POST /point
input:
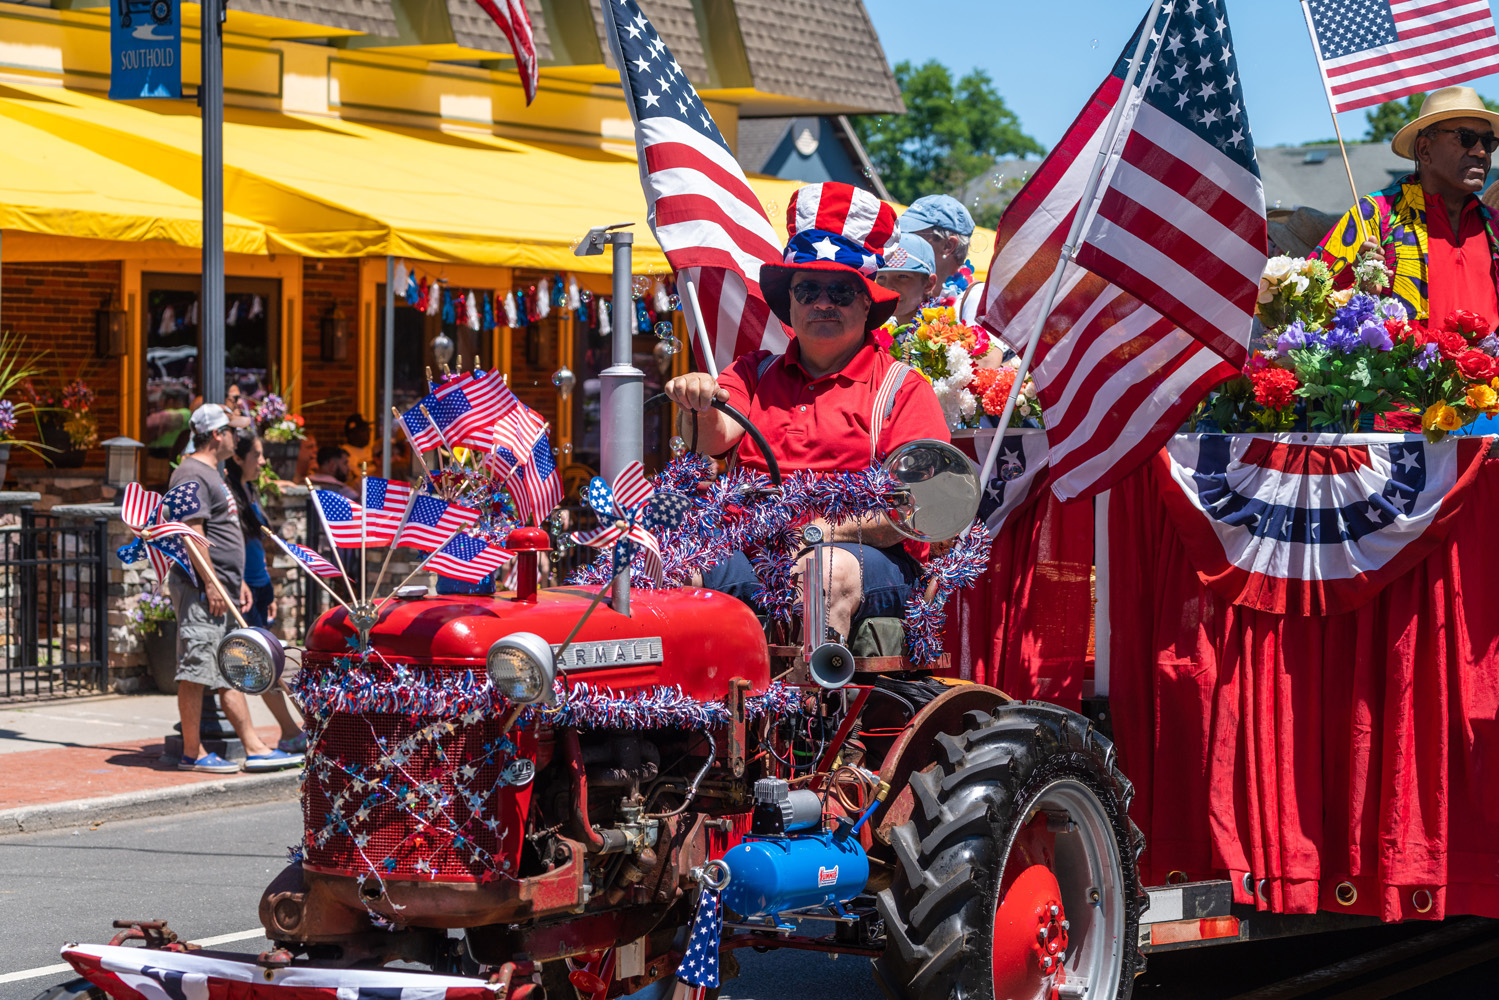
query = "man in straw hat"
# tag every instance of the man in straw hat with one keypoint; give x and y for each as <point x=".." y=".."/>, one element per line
<point x="1434" y="233"/>
<point x="834" y="402"/>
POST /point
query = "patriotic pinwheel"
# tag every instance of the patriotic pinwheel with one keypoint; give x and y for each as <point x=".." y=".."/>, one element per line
<point x="628" y="512"/>
<point x="161" y="535"/>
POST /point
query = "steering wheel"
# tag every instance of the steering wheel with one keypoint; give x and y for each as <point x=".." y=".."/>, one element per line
<point x="774" y="467"/>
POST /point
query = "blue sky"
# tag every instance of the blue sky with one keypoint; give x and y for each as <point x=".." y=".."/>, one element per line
<point x="1046" y="58"/>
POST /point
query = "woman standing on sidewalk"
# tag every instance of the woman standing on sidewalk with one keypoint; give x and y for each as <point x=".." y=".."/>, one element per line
<point x="242" y="471"/>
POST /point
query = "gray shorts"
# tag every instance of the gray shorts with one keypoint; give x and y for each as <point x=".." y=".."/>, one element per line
<point x="198" y="635"/>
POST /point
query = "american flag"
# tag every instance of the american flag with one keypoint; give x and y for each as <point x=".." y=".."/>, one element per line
<point x="700" y="962"/>
<point x="340" y="516"/>
<point x="384" y="503"/>
<point x="515" y="22"/>
<point x="539" y="490"/>
<point x="515" y="434"/>
<point x="1372" y="51"/>
<point x="1161" y="311"/>
<point x="432" y="521"/>
<point x="704" y="214"/>
<point x="308" y="558"/>
<point x="465" y="410"/>
<point x="465" y="557"/>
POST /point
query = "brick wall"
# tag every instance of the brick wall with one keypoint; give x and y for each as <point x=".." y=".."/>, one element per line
<point x="52" y="306"/>
<point x="336" y="384"/>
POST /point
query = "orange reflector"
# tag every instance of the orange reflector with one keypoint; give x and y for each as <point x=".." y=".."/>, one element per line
<point x="1180" y="931"/>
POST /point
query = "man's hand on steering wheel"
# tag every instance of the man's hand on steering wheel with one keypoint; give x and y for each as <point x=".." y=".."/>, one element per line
<point x="695" y="391"/>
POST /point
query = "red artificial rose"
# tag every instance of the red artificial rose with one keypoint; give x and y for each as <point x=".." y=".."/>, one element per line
<point x="1449" y="342"/>
<point x="1399" y="330"/>
<point x="1476" y="366"/>
<point x="1469" y="325"/>
<point x="1274" y="387"/>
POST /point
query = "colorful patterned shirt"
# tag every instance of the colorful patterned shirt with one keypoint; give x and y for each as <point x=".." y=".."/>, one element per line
<point x="1398" y="215"/>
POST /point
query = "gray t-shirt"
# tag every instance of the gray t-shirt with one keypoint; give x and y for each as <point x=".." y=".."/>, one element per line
<point x="226" y="540"/>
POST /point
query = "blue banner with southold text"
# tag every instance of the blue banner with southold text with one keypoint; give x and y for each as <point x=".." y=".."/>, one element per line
<point x="145" y="41"/>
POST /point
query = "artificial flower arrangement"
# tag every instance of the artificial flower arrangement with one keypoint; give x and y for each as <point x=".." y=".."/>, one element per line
<point x="74" y="400"/>
<point x="275" y="424"/>
<point x="1338" y="358"/>
<point x="946" y="353"/>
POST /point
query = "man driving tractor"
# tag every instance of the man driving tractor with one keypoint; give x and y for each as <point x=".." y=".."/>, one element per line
<point x="834" y="402"/>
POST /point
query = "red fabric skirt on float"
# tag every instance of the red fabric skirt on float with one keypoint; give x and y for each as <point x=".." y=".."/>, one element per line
<point x="1323" y="757"/>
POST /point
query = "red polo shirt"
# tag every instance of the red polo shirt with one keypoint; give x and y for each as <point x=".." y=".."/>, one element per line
<point x="1459" y="266"/>
<point x="823" y="424"/>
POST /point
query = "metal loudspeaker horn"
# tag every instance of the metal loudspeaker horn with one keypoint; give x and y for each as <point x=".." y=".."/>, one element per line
<point x="831" y="665"/>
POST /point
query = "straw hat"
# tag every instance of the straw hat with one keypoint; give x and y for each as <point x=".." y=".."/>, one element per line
<point x="1441" y="105"/>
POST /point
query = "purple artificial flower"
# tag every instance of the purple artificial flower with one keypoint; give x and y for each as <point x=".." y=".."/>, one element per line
<point x="1395" y="310"/>
<point x="1427" y="355"/>
<point x="7" y="416"/>
<point x="1374" y="334"/>
<point x="1343" y="339"/>
<point x="1295" y="336"/>
<point x="1359" y="310"/>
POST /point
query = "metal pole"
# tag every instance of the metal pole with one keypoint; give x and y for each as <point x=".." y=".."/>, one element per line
<point x="211" y="101"/>
<point x="390" y="364"/>
<point x="623" y="387"/>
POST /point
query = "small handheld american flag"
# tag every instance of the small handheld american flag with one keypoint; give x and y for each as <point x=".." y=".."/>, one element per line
<point x="313" y="562"/>
<point x="700" y="962"/>
<point x="1372" y="51"/>
<point x="463" y="412"/>
<point x="432" y="521"/>
<point x="465" y="557"/>
<point x="385" y="503"/>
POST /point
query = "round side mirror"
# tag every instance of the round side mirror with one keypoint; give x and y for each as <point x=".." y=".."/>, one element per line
<point x="941" y="489"/>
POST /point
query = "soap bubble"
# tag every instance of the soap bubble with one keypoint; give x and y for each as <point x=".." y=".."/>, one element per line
<point x="669" y="345"/>
<point x="664" y="329"/>
<point x="678" y="445"/>
<point x="640" y="286"/>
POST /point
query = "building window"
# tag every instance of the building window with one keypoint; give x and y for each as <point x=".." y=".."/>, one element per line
<point x="173" y="346"/>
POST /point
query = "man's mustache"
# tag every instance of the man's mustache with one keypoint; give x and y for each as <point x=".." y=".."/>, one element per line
<point x="823" y="314"/>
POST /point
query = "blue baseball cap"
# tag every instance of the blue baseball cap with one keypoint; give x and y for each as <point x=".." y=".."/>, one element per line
<point x="912" y="254"/>
<point x="940" y="210"/>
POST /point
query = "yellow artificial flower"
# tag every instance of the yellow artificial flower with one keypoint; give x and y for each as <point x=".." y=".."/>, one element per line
<point x="1340" y="298"/>
<point x="1483" y="397"/>
<point x="1442" y="417"/>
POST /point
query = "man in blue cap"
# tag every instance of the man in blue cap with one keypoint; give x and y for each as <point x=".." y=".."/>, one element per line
<point x="947" y="226"/>
<point x="910" y="271"/>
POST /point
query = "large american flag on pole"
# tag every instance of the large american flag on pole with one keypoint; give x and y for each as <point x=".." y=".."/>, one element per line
<point x="1156" y="308"/>
<point x="708" y="221"/>
<point x="1372" y="51"/>
<point x="512" y="18"/>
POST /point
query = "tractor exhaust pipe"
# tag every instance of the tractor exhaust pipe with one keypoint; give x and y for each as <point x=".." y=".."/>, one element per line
<point x="622" y="416"/>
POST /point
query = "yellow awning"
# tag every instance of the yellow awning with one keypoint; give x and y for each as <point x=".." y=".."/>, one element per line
<point x="51" y="187"/>
<point x="325" y="187"/>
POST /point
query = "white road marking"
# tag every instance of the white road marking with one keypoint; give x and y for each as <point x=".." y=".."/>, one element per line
<point x="52" y="970"/>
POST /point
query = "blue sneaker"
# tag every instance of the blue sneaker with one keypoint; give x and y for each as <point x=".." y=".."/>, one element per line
<point x="273" y="761"/>
<point x="211" y="763"/>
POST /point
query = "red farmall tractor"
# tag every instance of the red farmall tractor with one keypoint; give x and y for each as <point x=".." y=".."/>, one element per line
<point x="560" y="791"/>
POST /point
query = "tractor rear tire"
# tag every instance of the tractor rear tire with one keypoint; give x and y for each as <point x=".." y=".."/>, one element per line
<point x="1037" y="776"/>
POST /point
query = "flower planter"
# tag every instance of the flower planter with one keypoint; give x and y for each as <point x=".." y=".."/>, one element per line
<point x="62" y="454"/>
<point x="282" y="458"/>
<point x="161" y="656"/>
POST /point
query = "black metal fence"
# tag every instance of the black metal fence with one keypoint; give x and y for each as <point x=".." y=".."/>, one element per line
<point x="54" y="585"/>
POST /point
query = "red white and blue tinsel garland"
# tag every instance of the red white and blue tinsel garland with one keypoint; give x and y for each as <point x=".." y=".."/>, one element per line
<point x="955" y="569"/>
<point x="466" y="693"/>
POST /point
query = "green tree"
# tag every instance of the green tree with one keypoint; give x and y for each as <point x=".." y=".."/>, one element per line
<point x="951" y="132"/>
<point x="1391" y="116"/>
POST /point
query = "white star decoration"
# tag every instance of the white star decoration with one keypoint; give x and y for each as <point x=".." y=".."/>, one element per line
<point x="825" y="249"/>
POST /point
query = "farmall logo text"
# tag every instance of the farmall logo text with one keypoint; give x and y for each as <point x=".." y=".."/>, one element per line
<point x="827" y="876"/>
<point x="611" y="653"/>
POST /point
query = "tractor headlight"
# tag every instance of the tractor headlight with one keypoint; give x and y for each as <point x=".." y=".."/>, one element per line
<point x="251" y="660"/>
<point x="522" y="667"/>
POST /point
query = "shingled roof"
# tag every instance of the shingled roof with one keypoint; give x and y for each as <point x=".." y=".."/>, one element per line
<point x="823" y="50"/>
<point x="676" y="23"/>
<point x="373" y="17"/>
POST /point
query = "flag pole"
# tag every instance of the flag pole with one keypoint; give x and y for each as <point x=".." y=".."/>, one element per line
<point x="419" y="567"/>
<point x="364" y="526"/>
<point x="416" y="452"/>
<point x="702" y="329"/>
<point x="1358" y="211"/>
<point x="1079" y="220"/>
<point x="380" y="577"/>
<point x="440" y="436"/>
<point x="332" y="542"/>
<point x="316" y="579"/>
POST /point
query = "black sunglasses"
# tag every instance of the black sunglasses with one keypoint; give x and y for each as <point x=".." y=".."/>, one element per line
<point x="840" y="293"/>
<point x="1467" y="138"/>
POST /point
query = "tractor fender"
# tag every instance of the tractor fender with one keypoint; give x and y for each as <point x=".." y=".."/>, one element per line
<point x="916" y="748"/>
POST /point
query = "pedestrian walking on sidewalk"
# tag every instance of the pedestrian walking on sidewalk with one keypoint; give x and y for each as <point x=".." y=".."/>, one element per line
<point x="242" y="472"/>
<point x="202" y="611"/>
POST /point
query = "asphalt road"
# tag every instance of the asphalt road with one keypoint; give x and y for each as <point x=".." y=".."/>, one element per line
<point x="204" y="872"/>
